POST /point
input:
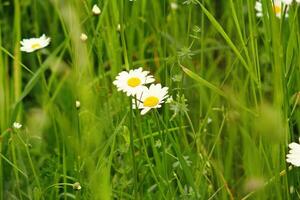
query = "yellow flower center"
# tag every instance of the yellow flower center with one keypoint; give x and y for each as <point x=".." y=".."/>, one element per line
<point x="151" y="101"/>
<point x="36" y="46"/>
<point x="133" y="82"/>
<point x="277" y="9"/>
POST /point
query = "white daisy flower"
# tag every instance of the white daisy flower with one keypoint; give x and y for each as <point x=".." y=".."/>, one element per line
<point x="258" y="8"/>
<point x="170" y="100"/>
<point x="174" y="6"/>
<point x="96" y="10"/>
<point x="288" y="2"/>
<point x="278" y="7"/>
<point x="152" y="97"/>
<point x="119" y="27"/>
<point x="77" y="104"/>
<point x="131" y="82"/>
<point x="33" y="44"/>
<point x="293" y="156"/>
<point x="83" y="37"/>
<point x="17" y="125"/>
<point x="76" y="186"/>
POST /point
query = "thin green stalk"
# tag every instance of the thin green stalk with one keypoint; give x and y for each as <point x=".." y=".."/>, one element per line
<point x="17" y="33"/>
<point x="134" y="168"/>
<point x="64" y="165"/>
<point x="55" y="185"/>
<point x="152" y="170"/>
<point x="123" y="40"/>
<point x="1" y="173"/>
<point x="14" y="158"/>
<point x="163" y="141"/>
<point x="36" y="178"/>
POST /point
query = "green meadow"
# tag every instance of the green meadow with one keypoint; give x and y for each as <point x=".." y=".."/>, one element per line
<point x="66" y="132"/>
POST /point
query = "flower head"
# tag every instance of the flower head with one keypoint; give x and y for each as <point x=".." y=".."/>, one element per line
<point x="96" y="10"/>
<point x="17" y="125"/>
<point x="278" y="7"/>
<point x="119" y="27"/>
<point x="33" y="44"/>
<point x="76" y="186"/>
<point x="288" y="2"/>
<point x="293" y="156"/>
<point x="83" y="37"/>
<point x="174" y="6"/>
<point x="152" y="97"/>
<point x="131" y="82"/>
<point x="77" y="104"/>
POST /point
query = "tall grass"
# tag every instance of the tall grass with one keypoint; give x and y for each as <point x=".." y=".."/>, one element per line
<point x="234" y="79"/>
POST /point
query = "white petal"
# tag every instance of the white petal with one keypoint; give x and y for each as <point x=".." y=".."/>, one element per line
<point x="258" y="6"/>
<point x="294" y="145"/>
<point x="145" y="110"/>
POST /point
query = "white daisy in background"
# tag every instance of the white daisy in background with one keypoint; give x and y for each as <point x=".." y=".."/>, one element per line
<point x="174" y="5"/>
<point x="288" y="2"/>
<point x="77" y="104"/>
<point x="258" y="8"/>
<point x="170" y="100"/>
<point x="131" y="82"/>
<point x="278" y="7"/>
<point x="152" y="97"/>
<point x="119" y="27"/>
<point x="83" y="37"/>
<point x="96" y="10"/>
<point x="33" y="44"/>
<point x="293" y="156"/>
<point x="77" y="186"/>
<point x="17" y="125"/>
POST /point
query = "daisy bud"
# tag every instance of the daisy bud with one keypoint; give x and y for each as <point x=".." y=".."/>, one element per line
<point x="174" y="6"/>
<point x="170" y="100"/>
<point x="77" y="186"/>
<point x="17" y="125"/>
<point x="83" y="37"/>
<point x="119" y="27"/>
<point x="96" y="10"/>
<point x="77" y="104"/>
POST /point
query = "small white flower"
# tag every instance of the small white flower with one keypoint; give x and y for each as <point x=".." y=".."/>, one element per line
<point x="278" y="7"/>
<point x="288" y="2"/>
<point x="258" y="8"/>
<point x="83" y="37"/>
<point x="33" y="44"/>
<point x="170" y="100"/>
<point x="77" y="104"/>
<point x="17" y="125"/>
<point x="293" y="156"/>
<point x="96" y="10"/>
<point x="131" y="82"/>
<point x="292" y="189"/>
<point x="209" y="120"/>
<point x="77" y="186"/>
<point x="119" y="27"/>
<point x="157" y="143"/>
<point x="174" y="6"/>
<point x="152" y="97"/>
